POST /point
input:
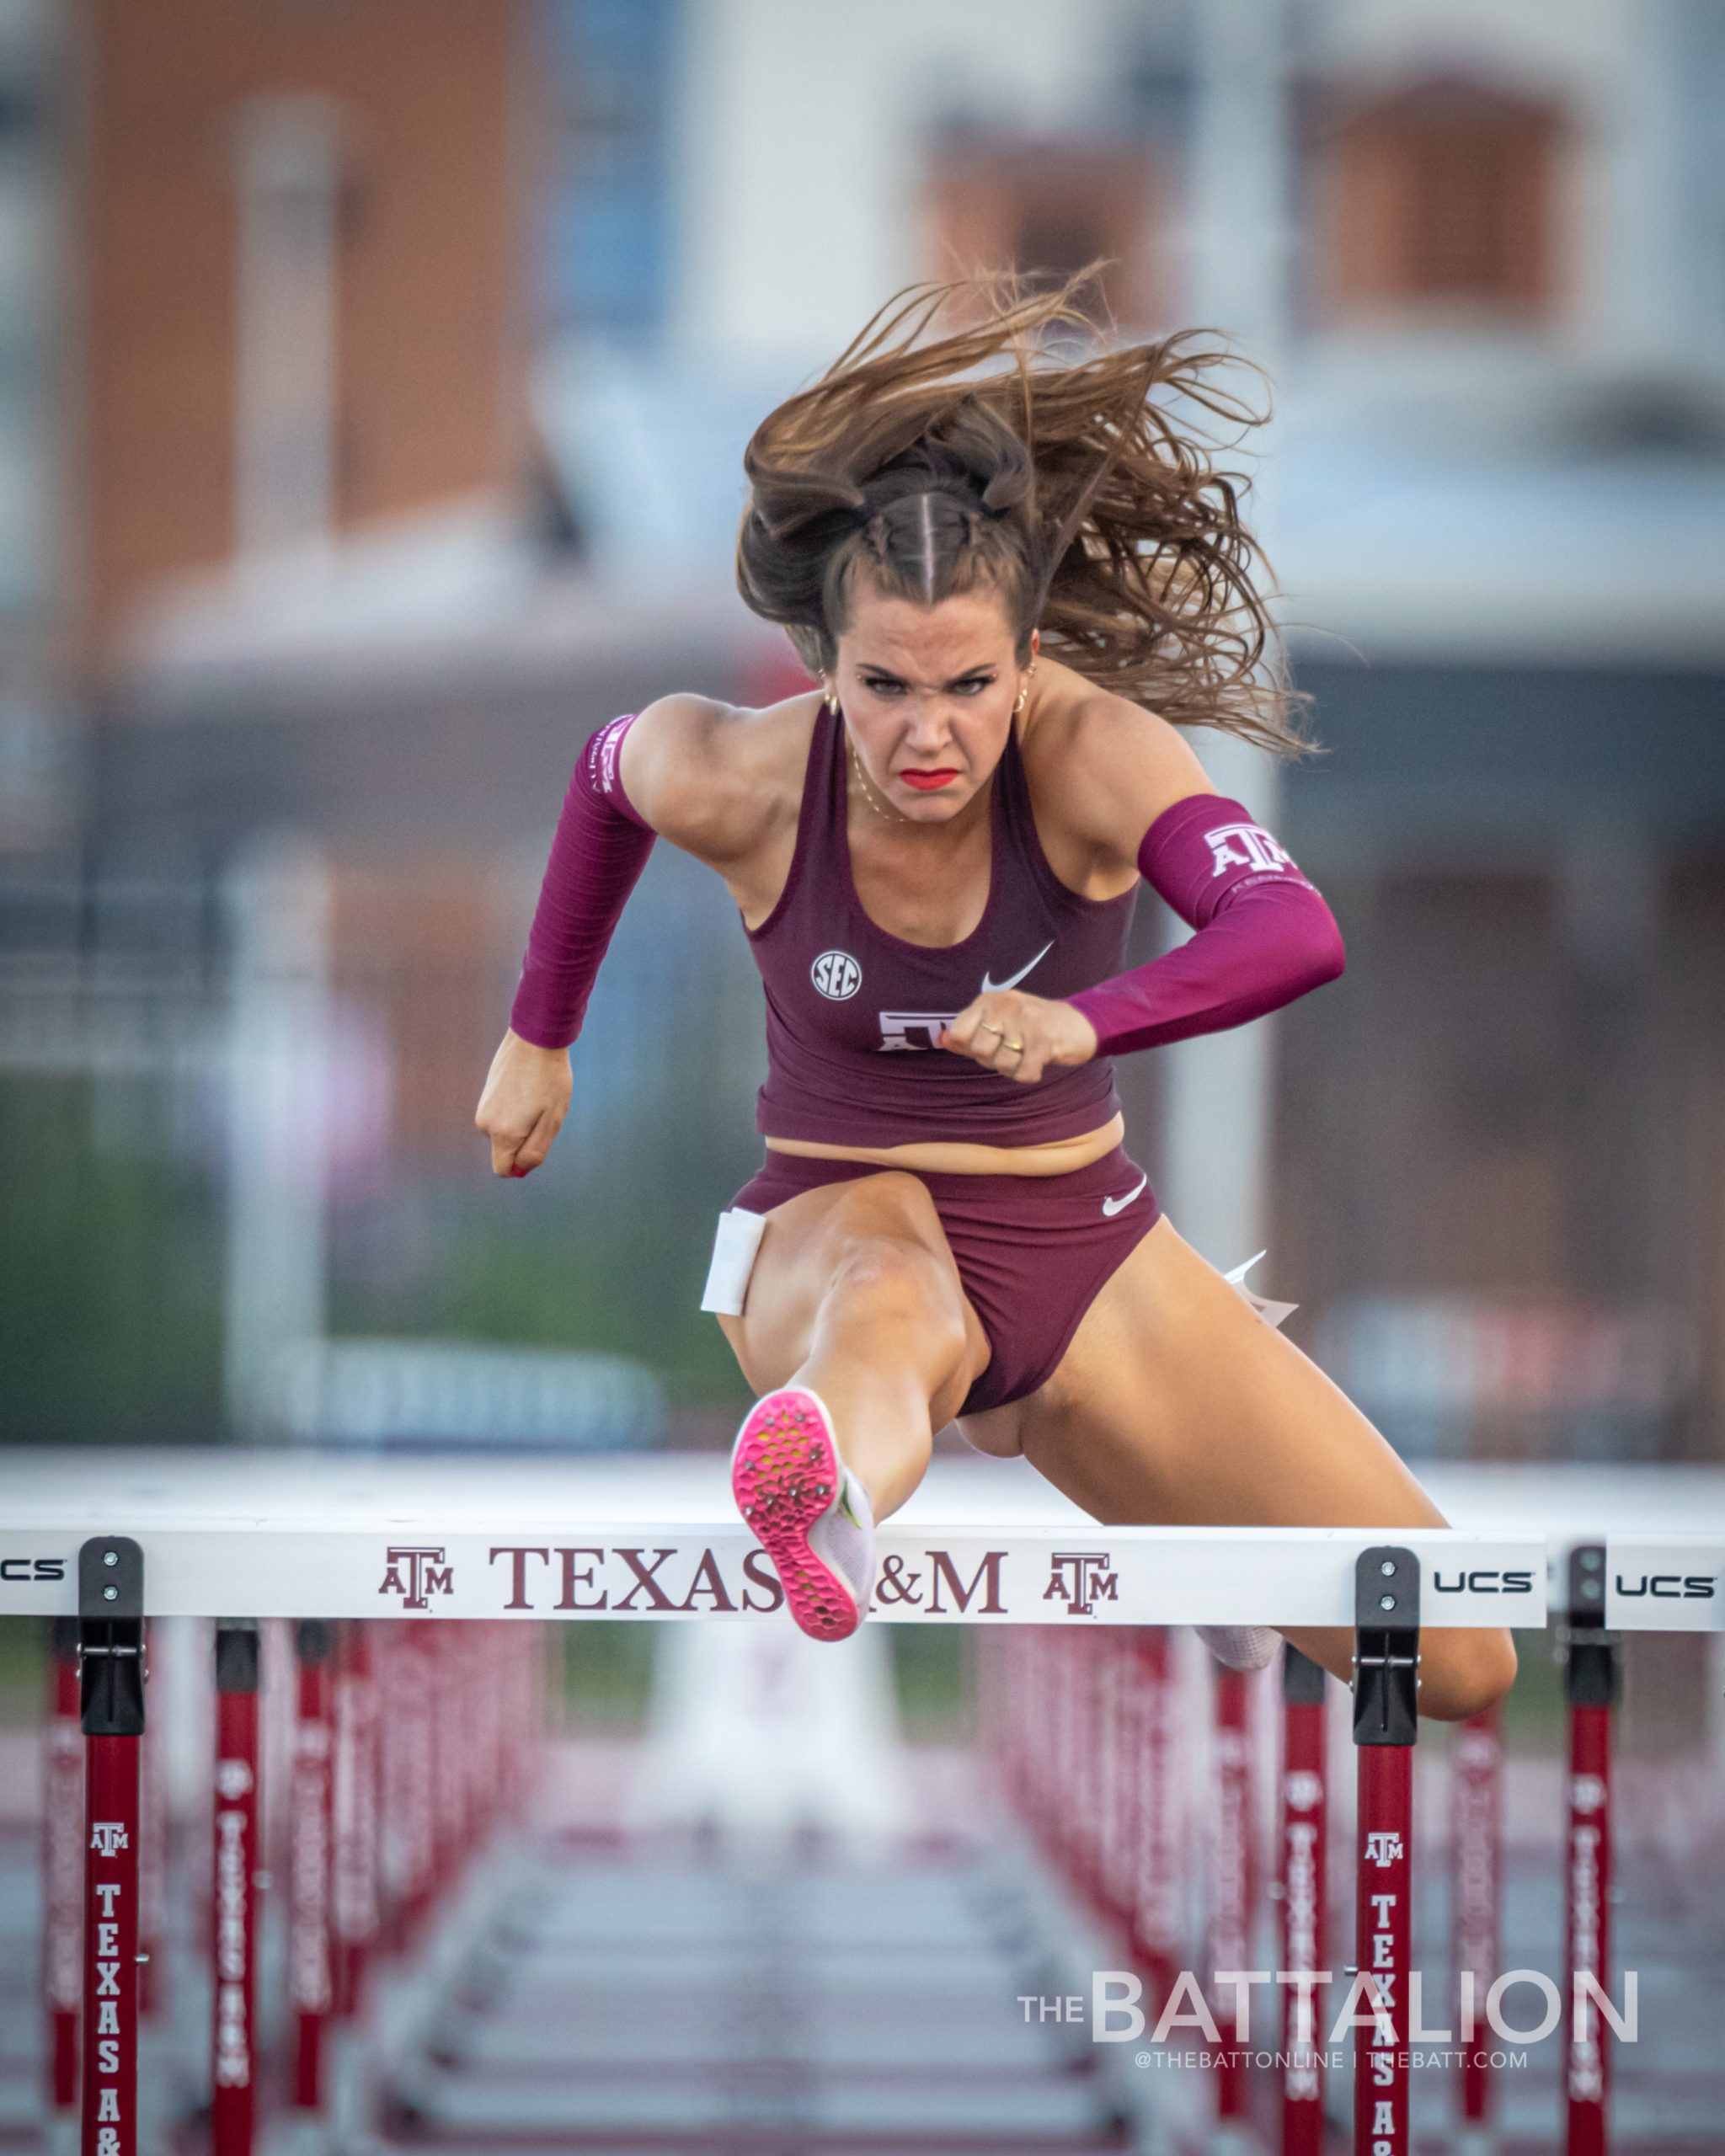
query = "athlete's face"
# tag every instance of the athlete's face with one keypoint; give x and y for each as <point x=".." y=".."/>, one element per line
<point x="928" y="694"/>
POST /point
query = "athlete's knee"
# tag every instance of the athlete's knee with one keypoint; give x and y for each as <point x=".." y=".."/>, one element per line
<point x="886" y="1242"/>
<point x="1463" y="1672"/>
<point x="894" y="1279"/>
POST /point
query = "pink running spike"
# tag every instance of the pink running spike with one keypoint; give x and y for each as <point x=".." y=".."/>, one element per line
<point x="787" y="1476"/>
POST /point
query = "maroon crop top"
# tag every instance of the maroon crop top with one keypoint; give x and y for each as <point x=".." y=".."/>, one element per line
<point x="843" y="995"/>
<point x="853" y="1013"/>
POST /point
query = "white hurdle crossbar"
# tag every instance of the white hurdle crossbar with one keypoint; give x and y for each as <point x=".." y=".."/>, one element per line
<point x="106" y="1541"/>
<point x="264" y="1534"/>
<point x="439" y="1568"/>
<point x="292" y="1534"/>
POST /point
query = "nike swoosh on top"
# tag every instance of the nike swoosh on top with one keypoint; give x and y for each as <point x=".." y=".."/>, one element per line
<point x="1111" y="1206"/>
<point x="991" y="987"/>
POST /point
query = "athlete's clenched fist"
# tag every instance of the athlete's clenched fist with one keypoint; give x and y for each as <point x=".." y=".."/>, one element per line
<point x="1020" y="1035"/>
<point x="523" y="1108"/>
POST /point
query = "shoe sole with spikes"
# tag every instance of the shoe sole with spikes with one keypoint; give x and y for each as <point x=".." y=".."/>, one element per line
<point x="786" y="1476"/>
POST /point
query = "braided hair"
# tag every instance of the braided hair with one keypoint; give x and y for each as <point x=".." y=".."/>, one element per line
<point x="1080" y="489"/>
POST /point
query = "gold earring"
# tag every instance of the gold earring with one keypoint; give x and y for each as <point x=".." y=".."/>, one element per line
<point x="1024" y="693"/>
<point x="831" y="698"/>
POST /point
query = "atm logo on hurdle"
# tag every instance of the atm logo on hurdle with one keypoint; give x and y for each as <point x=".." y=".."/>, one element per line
<point x="416" y="1574"/>
<point x="1080" y="1578"/>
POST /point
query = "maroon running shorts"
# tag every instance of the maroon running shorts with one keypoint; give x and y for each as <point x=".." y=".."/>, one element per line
<point x="1031" y="1251"/>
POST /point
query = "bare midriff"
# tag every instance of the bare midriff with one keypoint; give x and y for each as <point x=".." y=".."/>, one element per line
<point x="1061" y="1156"/>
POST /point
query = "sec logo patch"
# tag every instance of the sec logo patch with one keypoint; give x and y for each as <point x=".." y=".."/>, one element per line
<point x="836" y="975"/>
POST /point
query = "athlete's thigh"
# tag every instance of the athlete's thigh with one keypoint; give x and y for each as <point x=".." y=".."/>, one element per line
<point x="806" y="1241"/>
<point x="1177" y="1403"/>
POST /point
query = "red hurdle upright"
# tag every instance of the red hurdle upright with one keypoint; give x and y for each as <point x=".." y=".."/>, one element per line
<point x="152" y="1860"/>
<point x="408" y="1678"/>
<point x="111" y="1675"/>
<point x="311" y="1986"/>
<point x="1303" y="1874"/>
<point x="235" y="1885"/>
<point x="1122" y="1721"/>
<point x="1590" y="1676"/>
<point x="1476" y="1885"/>
<point x="1229" y="1949"/>
<point x="1158" y="1911"/>
<point x="62" y="1870"/>
<point x="355" y="1914"/>
<point x="1385" y="1727"/>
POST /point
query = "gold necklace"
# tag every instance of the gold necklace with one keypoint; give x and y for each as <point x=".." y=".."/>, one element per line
<point x="887" y="815"/>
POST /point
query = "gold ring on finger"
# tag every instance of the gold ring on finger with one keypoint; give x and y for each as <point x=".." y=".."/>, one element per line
<point x="1018" y="1045"/>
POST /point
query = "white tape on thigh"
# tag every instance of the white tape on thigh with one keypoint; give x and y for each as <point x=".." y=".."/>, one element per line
<point x="733" y="1249"/>
<point x="1273" y="1314"/>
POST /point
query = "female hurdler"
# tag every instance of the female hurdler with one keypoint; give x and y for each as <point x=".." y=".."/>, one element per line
<point x="1017" y="579"/>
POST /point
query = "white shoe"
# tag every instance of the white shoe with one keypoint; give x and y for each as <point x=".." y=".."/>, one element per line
<point x="1241" y="1647"/>
<point x="809" y="1514"/>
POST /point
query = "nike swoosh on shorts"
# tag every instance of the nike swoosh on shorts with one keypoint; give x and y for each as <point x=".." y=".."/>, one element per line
<point x="991" y="987"/>
<point x="1111" y="1206"/>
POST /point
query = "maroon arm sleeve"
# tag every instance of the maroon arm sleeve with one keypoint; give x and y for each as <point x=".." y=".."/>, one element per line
<point x="1264" y="935"/>
<point x="600" y="848"/>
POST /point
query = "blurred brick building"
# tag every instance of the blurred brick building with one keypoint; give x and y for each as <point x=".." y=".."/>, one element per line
<point x="297" y="243"/>
<point x="296" y="251"/>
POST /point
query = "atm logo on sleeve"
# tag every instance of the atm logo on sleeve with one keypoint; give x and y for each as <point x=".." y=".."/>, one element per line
<point x="1247" y="845"/>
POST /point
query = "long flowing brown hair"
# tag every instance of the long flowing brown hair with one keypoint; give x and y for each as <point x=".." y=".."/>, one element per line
<point x="1082" y="484"/>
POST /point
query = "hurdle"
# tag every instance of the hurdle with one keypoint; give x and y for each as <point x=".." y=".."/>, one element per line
<point x="406" y="1580"/>
<point x="1302" y="1882"/>
<point x="1475" y="1897"/>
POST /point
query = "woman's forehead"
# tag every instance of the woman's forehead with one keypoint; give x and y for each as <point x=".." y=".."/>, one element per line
<point x="970" y="629"/>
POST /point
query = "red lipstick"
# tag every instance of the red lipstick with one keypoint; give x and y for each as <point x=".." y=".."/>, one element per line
<point x="928" y="782"/>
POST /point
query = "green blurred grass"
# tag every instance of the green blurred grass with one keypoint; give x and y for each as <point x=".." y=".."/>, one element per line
<point x="616" y="1277"/>
<point x="608" y="1677"/>
<point x="111" y="1256"/>
<point x="109" y="1280"/>
<point x="932" y="1672"/>
<point x="23" y="1648"/>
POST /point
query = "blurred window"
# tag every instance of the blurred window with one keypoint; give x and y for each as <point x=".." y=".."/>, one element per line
<point x="288" y="179"/>
<point x="606" y="236"/>
<point x="26" y="276"/>
<point x="1442" y="195"/>
<point x="1046" y="210"/>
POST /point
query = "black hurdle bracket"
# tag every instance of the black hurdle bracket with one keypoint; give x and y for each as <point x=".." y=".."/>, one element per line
<point x="236" y="1654"/>
<point x="1302" y="1679"/>
<point x="1386" y="1646"/>
<point x="110" y="1637"/>
<point x="1592" y="1655"/>
<point x="314" y="1641"/>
